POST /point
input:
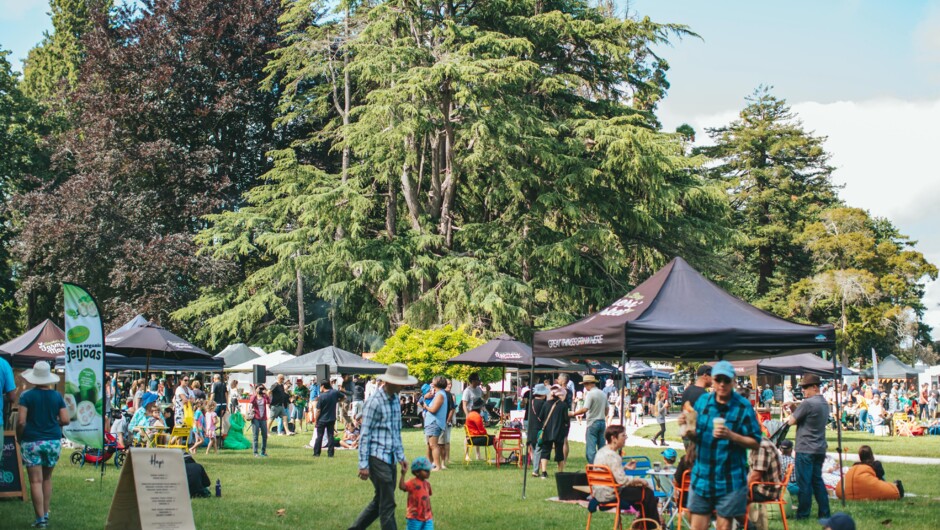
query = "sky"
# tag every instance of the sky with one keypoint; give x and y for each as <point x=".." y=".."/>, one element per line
<point x="863" y="73"/>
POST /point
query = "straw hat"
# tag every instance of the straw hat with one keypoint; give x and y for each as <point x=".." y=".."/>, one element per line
<point x="589" y="379"/>
<point x="41" y="374"/>
<point x="397" y="374"/>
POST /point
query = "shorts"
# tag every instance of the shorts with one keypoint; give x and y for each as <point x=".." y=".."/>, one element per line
<point x="414" y="524"/>
<point x="432" y="429"/>
<point x="729" y="505"/>
<point x="277" y="411"/>
<point x="559" y="446"/>
<point x="43" y="453"/>
<point x="444" y="438"/>
<point x="356" y="409"/>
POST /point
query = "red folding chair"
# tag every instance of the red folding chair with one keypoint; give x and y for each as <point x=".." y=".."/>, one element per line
<point x="510" y="441"/>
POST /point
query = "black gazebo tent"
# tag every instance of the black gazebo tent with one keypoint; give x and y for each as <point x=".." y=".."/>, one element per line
<point x="41" y="343"/>
<point x="799" y="364"/>
<point x="679" y="315"/>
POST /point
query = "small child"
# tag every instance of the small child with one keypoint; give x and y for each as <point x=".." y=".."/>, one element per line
<point x="669" y="457"/>
<point x="350" y="438"/>
<point x="419" y="515"/>
<point x="212" y="420"/>
<point x="198" y="426"/>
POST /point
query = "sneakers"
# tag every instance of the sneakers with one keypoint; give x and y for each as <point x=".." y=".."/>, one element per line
<point x="40" y="522"/>
<point x="544" y="475"/>
<point x="264" y="455"/>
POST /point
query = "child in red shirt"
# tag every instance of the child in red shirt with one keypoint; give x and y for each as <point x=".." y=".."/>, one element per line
<point x="419" y="495"/>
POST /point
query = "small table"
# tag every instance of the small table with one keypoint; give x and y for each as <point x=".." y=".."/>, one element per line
<point x="663" y="493"/>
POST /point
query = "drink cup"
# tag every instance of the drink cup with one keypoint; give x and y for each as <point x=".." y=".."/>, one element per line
<point x="657" y="466"/>
<point x="718" y="422"/>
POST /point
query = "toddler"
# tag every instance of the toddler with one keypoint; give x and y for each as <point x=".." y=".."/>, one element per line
<point x="212" y="420"/>
<point x="198" y="428"/>
<point x="419" y="495"/>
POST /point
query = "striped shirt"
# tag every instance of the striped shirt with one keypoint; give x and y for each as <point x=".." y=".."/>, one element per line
<point x="721" y="465"/>
<point x="381" y="430"/>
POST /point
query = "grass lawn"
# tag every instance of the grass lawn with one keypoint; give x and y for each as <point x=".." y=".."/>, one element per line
<point x="926" y="446"/>
<point x="325" y="494"/>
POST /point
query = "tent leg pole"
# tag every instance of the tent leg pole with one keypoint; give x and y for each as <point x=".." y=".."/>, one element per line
<point x="838" y="382"/>
<point x="525" y="465"/>
<point x="623" y="380"/>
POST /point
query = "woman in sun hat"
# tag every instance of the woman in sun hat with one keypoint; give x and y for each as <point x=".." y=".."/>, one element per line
<point x="42" y="413"/>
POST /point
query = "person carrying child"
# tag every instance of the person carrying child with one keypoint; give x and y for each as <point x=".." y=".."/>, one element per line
<point x="419" y="515"/>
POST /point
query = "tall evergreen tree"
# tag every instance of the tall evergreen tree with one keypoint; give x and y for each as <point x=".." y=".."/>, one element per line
<point x="778" y="177"/>
<point x="173" y="126"/>
<point x="505" y="170"/>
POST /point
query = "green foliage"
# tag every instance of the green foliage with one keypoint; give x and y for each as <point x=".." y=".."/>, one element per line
<point x="426" y="352"/>
<point x="778" y="178"/>
<point x="867" y="279"/>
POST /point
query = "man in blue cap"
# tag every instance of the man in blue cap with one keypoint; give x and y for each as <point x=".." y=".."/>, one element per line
<point x="725" y="427"/>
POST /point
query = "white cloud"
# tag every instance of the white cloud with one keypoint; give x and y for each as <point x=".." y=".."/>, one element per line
<point x="884" y="152"/>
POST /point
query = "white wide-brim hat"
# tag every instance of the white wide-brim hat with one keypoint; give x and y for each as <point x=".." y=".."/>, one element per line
<point x="397" y="374"/>
<point x="41" y="374"/>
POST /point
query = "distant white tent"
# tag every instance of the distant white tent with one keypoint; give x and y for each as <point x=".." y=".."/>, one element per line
<point x="259" y="350"/>
<point x="235" y="354"/>
<point x="137" y="322"/>
<point x="269" y="360"/>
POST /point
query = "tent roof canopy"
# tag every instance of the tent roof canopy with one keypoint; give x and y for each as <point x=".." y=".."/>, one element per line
<point x="235" y="354"/>
<point x="115" y="362"/>
<point x="892" y="368"/>
<point x="269" y="360"/>
<point x="339" y="360"/>
<point x="151" y="339"/>
<point x="41" y="343"/>
<point x="798" y="364"/>
<point x="677" y="314"/>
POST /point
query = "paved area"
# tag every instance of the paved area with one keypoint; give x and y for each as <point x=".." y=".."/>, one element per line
<point x="576" y="434"/>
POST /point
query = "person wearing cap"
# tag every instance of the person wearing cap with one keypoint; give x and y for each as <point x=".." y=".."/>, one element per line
<point x="42" y="414"/>
<point x="476" y="429"/>
<point x="839" y="521"/>
<point x="380" y="447"/>
<point x="764" y="466"/>
<point x="786" y="459"/>
<point x="703" y="381"/>
<point x="725" y="427"/>
<point x="534" y="416"/>
<point x="810" y="419"/>
<point x="595" y="410"/>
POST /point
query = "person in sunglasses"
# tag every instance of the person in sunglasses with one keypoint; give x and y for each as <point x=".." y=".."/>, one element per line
<point x="725" y="427"/>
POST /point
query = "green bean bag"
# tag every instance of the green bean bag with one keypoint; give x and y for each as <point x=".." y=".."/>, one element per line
<point x="236" y="433"/>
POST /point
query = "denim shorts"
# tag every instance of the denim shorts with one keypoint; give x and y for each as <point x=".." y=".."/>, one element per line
<point x="433" y="429"/>
<point x="729" y="505"/>
<point x="43" y="453"/>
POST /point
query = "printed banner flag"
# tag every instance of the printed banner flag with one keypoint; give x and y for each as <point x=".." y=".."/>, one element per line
<point x="84" y="367"/>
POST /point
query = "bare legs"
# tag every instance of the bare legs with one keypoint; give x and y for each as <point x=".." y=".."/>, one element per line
<point x="40" y="488"/>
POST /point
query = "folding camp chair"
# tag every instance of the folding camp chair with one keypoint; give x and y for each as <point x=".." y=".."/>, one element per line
<point x="902" y="424"/>
<point x="177" y="439"/>
<point x="508" y="441"/>
<point x="779" y="501"/>
<point x="602" y="476"/>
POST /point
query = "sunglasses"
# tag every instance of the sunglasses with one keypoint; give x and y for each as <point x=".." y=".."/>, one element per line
<point x="722" y="379"/>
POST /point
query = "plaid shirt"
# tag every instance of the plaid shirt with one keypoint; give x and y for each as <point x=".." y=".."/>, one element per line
<point x="721" y="465"/>
<point x="786" y="461"/>
<point x="766" y="460"/>
<point x="381" y="430"/>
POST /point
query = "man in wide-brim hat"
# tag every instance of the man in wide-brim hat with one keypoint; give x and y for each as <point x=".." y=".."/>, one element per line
<point x="380" y="447"/>
<point x="595" y="410"/>
<point x="811" y="418"/>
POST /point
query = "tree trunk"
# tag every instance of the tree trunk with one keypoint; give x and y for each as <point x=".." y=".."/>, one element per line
<point x="449" y="186"/>
<point x="408" y="188"/>
<point x="300" y="308"/>
<point x="391" y="209"/>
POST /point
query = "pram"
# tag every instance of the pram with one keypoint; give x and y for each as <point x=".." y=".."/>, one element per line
<point x="101" y="456"/>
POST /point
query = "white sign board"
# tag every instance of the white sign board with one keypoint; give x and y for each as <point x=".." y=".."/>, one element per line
<point x="152" y="493"/>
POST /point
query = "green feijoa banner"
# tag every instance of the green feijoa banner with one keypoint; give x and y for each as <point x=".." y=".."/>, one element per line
<point x="84" y="367"/>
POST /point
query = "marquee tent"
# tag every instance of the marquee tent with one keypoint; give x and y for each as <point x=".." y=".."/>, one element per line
<point x="137" y="322"/>
<point x="234" y="354"/>
<point x="509" y="353"/>
<point x="114" y="362"/>
<point x="889" y="368"/>
<point x="641" y="370"/>
<point x="41" y="343"/>
<point x="677" y="314"/>
<point x="269" y="360"/>
<point x="799" y="364"/>
<point x="339" y="360"/>
<point x="151" y="340"/>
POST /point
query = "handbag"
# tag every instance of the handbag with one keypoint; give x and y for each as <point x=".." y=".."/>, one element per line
<point x="538" y="438"/>
<point x="250" y="414"/>
<point x="188" y="415"/>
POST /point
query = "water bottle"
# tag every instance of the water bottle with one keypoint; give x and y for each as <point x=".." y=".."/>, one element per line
<point x="218" y="487"/>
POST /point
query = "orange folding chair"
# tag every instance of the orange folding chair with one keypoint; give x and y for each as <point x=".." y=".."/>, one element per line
<point x="685" y="486"/>
<point x="602" y="476"/>
<point x="779" y="501"/>
<point x="510" y="441"/>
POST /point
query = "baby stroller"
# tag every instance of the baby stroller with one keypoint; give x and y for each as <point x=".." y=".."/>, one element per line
<point x="101" y="456"/>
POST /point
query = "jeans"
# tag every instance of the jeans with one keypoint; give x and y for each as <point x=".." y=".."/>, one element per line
<point x="594" y="439"/>
<point x="330" y="429"/>
<point x="809" y="479"/>
<point x="382" y="506"/>
<point x="262" y="427"/>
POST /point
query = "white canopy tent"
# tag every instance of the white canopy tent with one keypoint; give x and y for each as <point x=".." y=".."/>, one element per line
<point x="243" y="372"/>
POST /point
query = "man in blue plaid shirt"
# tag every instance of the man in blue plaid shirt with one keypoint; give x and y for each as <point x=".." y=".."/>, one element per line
<point x="719" y="475"/>
<point x="380" y="447"/>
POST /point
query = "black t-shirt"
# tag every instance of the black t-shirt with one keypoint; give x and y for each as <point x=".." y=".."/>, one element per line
<point x="326" y="404"/>
<point x="218" y="392"/>
<point x="692" y="394"/>
<point x="279" y="396"/>
<point x="359" y="393"/>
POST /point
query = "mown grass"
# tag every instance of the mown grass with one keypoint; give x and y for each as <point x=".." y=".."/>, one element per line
<point x="925" y="446"/>
<point x="325" y="494"/>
